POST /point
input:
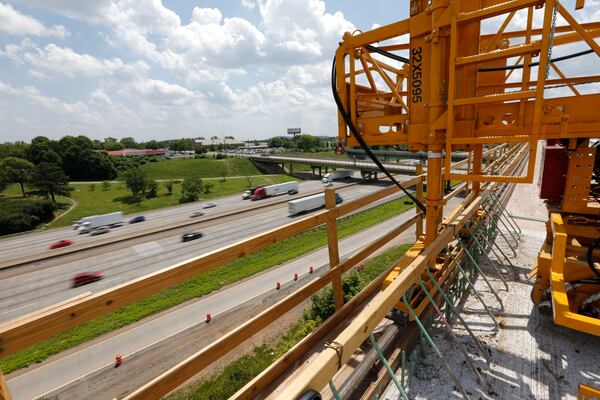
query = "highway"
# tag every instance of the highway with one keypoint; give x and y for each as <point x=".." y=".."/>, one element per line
<point x="40" y="380"/>
<point x="42" y="286"/>
<point x="38" y="243"/>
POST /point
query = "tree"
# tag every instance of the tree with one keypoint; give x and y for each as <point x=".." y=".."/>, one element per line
<point x="112" y="146"/>
<point x="81" y="163"/>
<point x="276" y="141"/>
<point x="50" y="180"/>
<point x="17" y="170"/>
<point x="43" y="149"/>
<point x="169" y="186"/>
<point x="306" y="142"/>
<point x="152" y="190"/>
<point x="181" y="145"/>
<point x="191" y="189"/>
<point x="152" y="144"/>
<point x="128" y="142"/>
<point x="137" y="181"/>
<point x="17" y="149"/>
<point x="208" y="187"/>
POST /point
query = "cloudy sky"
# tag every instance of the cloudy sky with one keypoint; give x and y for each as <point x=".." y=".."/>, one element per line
<point x="176" y="68"/>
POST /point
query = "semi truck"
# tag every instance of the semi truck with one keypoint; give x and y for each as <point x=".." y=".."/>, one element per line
<point x="110" y="220"/>
<point x="274" y="190"/>
<point x="336" y="175"/>
<point x="310" y="203"/>
<point x="248" y="193"/>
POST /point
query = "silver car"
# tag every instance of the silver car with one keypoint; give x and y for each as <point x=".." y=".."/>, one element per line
<point x="100" y="230"/>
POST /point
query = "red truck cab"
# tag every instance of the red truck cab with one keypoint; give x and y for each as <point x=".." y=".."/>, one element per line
<point x="259" y="193"/>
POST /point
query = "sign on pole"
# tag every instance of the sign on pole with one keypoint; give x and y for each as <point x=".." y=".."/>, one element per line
<point x="294" y="131"/>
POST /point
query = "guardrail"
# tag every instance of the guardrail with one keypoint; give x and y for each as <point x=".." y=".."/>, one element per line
<point x="23" y="332"/>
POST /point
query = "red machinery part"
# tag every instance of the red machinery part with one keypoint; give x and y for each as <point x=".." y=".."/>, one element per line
<point x="552" y="179"/>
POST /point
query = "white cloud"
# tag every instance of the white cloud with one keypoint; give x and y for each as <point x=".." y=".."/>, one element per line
<point x="249" y="4"/>
<point x="15" y="23"/>
<point x="57" y="61"/>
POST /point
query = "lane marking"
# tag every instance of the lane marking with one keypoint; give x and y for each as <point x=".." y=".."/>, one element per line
<point x="18" y="308"/>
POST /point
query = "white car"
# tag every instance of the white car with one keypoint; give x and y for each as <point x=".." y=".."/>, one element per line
<point x="209" y="205"/>
<point x="328" y="184"/>
<point x="197" y="214"/>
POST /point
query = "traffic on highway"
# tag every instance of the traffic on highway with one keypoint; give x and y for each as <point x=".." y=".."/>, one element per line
<point x="33" y="287"/>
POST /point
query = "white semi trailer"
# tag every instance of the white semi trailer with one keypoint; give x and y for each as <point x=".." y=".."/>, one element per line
<point x="310" y="203"/>
<point x="336" y="175"/>
<point x="111" y="220"/>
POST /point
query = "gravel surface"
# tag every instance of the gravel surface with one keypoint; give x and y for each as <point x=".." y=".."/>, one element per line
<point x="531" y="357"/>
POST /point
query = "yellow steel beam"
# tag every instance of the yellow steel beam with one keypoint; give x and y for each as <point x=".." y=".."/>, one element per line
<point x="4" y="392"/>
<point x="497" y="9"/>
<point x="501" y="53"/>
<point x="578" y="28"/>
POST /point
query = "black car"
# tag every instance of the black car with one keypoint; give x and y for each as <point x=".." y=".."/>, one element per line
<point x="191" y="236"/>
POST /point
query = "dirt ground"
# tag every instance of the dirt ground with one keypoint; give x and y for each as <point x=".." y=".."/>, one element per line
<point x="531" y="357"/>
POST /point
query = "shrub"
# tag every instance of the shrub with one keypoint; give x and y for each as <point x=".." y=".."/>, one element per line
<point x="152" y="189"/>
<point x="92" y="187"/>
<point x="23" y="215"/>
<point x="169" y="186"/>
<point x="191" y="189"/>
<point x="105" y="185"/>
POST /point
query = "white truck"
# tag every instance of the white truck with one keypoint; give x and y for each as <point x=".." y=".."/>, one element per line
<point x="310" y="203"/>
<point x="274" y="190"/>
<point x="336" y="175"/>
<point x="110" y="220"/>
<point x="82" y="221"/>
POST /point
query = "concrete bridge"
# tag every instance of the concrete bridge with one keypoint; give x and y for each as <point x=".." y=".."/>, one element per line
<point x="320" y="166"/>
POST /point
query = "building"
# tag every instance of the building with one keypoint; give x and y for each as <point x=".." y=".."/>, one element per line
<point x="215" y="142"/>
<point x="138" y="152"/>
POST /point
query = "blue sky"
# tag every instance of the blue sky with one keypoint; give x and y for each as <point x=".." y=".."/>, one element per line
<point x="176" y="68"/>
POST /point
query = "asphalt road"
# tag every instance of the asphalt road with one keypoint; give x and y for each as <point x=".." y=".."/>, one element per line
<point x="44" y="286"/>
<point x="46" y="378"/>
<point x="38" y="243"/>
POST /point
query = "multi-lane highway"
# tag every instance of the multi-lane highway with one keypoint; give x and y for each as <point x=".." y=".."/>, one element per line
<point x="42" y="286"/>
<point x="38" y="243"/>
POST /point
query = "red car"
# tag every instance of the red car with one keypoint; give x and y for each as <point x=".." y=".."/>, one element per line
<point x="86" y="277"/>
<point x="61" y="243"/>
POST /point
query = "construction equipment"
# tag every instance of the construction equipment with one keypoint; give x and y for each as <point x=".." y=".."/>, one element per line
<point x="432" y="94"/>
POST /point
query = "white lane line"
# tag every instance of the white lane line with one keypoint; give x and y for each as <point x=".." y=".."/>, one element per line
<point x="6" y="302"/>
<point x="111" y="279"/>
<point x="18" y="308"/>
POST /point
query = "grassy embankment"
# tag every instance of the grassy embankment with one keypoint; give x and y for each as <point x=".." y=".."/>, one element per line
<point x="202" y="167"/>
<point x="201" y="285"/>
<point x="234" y="376"/>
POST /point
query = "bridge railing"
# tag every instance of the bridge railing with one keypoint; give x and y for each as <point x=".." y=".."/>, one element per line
<point x="23" y="332"/>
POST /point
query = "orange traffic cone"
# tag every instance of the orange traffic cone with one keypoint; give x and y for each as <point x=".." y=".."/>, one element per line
<point x="296" y="277"/>
<point x="278" y="285"/>
<point x="208" y="317"/>
<point x="118" y="360"/>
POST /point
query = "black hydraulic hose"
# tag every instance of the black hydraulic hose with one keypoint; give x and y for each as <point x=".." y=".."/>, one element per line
<point x="387" y="54"/>
<point x="362" y="142"/>
<point x="533" y="64"/>
<point x="590" y="258"/>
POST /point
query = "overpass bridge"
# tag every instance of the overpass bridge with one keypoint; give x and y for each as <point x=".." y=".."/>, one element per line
<point x="322" y="165"/>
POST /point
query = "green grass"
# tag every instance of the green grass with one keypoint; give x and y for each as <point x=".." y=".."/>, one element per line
<point x="234" y="376"/>
<point x="201" y="285"/>
<point x="118" y="197"/>
<point x="203" y="167"/>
